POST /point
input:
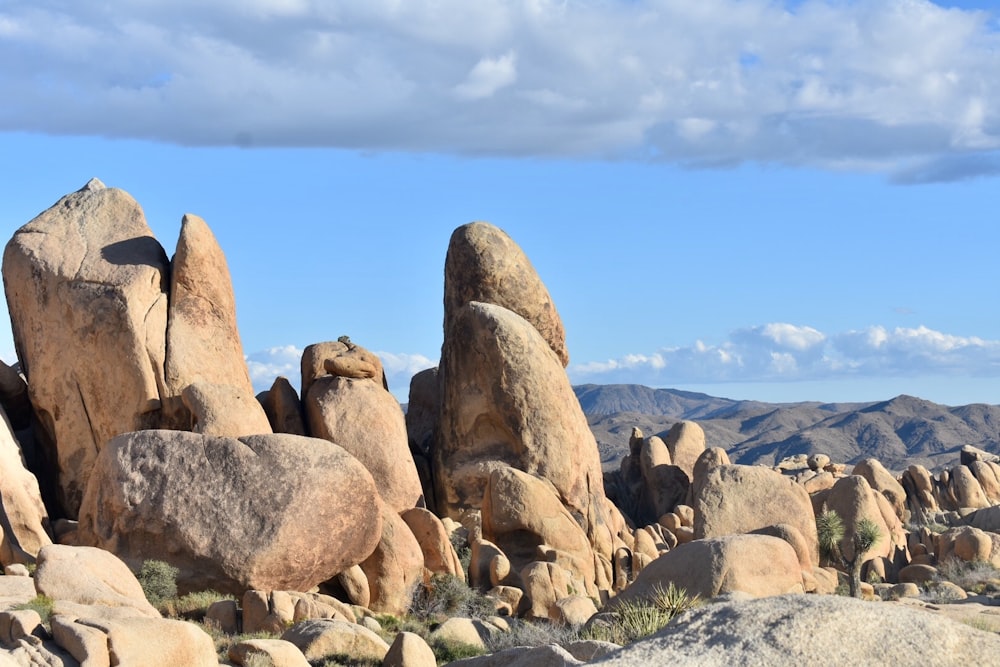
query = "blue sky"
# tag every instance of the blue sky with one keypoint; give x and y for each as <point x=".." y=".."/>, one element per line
<point x="779" y="201"/>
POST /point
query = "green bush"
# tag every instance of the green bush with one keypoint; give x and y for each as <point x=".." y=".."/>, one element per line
<point x="41" y="604"/>
<point x="447" y="595"/>
<point x="158" y="580"/>
<point x="640" y="618"/>
<point x="446" y="651"/>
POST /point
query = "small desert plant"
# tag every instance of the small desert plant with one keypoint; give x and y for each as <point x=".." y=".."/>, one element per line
<point x="463" y="550"/>
<point x="636" y="619"/>
<point x="975" y="576"/>
<point x="531" y="633"/>
<point x="158" y="580"/>
<point x="447" y="595"/>
<point x="830" y="530"/>
<point x="449" y="651"/>
<point x="191" y="606"/>
<point x="41" y="604"/>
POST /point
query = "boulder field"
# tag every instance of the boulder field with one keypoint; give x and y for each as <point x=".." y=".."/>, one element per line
<point x="322" y="510"/>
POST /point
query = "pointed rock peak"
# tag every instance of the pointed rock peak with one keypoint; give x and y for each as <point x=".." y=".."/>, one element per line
<point x="92" y="185"/>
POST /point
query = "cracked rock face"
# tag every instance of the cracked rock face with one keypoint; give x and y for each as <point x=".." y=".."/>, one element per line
<point x="86" y="286"/>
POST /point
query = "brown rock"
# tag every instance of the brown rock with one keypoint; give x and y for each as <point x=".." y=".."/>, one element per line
<point x="25" y="523"/>
<point x="686" y="442"/>
<point x="266" y="496"/>
<point x="422" y="411"/>
<point x="340" y="358"/>
<point x="883" y="482"/>
<point x="223" y="410"/>
<point x="409" y="650"/>
<point x="282" y="407"/>
<point x="965" y="488"/>
<point x="86" y="281"/>
<point x="758" y="565"/>
<point x="917" y="574"/>
<point x="395" y="567"/>
<point x="368" y="422"/>
<point x="853" y="499"/>
<point x="987" y="473"/>
<point x="14" y="397"/>
<point x="142" y="642"/>
<point x="723" y="497"/>
<point x="507" y="401"/>
<point x="483" y="264"/>
<point x="431" y="535"/>
<point x="203" y="342"/>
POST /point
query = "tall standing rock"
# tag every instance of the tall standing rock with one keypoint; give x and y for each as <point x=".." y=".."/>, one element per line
<point x="24" y="524"/>
<point x="506" y="400"/>
<point x="484" y="264"/>
<point x="203" y="342"/>
<point x="86" y="291"/>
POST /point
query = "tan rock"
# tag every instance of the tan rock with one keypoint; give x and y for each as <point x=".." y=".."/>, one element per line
<point x="710" y="458"/>
<point x="965" y="488"/>
<point x="325" y="638"/>
<point x="853" y="499"/>
<point x="574" y="611"/>
<point x="795" y="538"/>
<point x="987" y="473"/>
<point x="422" y="410"/>
<point x="278" y="652"/>
<point x="24" y="520"/>
<point x="203" y="341"/>
<point x="723" y="496"/>
<point x="463" y="631"/>
<point x="917" y="574"/>
<point x="282" y="407"/>
<point x="883" y="482"/>
<point x="367" y="421"/>
<point x="759" y="565"/>
<point x="345" y="359"/>
<point x="225" y="615"/>
<point x="818" y="461"/>
<point x="395" y="567"/>
<point x="267" y="496"/>
<point x="970" y="545"/>
<point x="20" y="624"/>
<point x="485" y="265"/>
<point x="86" y="281"/>
<point x="507" y="401"/>
<point x="148" y="642"/>
<point x="354" y="581"/>
<point x="520" y="512"/>
<point x="686" y="442"/>
<point x="89" y="576"/>
<point x="432" y="536"/>
<point x="223" y="410"/>
<point x="409" y="650"/>
<point x="544" y="584"/>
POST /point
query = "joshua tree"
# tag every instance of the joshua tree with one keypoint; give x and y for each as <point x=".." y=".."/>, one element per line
<point x="830" y="530"/>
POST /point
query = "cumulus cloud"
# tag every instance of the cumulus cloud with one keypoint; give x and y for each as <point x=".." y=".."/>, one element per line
<point x="781" y="352"/>
<point x="905" y="87"/>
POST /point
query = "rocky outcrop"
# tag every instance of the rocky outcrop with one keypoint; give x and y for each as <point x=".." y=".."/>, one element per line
<point x="733" y="499"/>
<point x="231" y="514"/>
<point x="808" y="630"/>
<point x="394" y="567"/>
<point x="282" y="406"/>
<point x="366" y="420"/>
<point x="203" y="342"/>
<point x="86" y="281"/>
<point x="506" y="400"/>
<point x="485" y="265"/>
<point x="24" y="522"/>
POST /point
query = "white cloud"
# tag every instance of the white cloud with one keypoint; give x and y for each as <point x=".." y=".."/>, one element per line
<point x="266" y="365"/>
<point x="787" y="352"/>
<point x="902" y="86"/>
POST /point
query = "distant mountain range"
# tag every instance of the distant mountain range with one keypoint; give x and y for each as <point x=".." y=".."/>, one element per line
<point x="898" y="432"/>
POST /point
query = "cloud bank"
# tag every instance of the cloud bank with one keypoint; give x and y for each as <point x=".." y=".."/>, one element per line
<point x="903" y="87"/>
<point x="781" y="352"/>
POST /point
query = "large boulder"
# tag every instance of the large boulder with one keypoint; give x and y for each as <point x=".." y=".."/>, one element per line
<point x="731" y="499"/>
<point x="255" y="512"/>
<point x="24" y="521"/>
<point x="484" y="264"/>
<point x="395" y="567"/>
<point x="882" y="481"/>
<point x="367" y="421"/>
<point x="853" y="499"/>
<point x="758" y="565"/>
<point x="506" y="401"/>
<point x="90" y="577"/>
<point x="810" y="630"/>
<point x="521" y="513"/>
<point x="686" y="442"/>
<point x="86" y="286"/>
<point x="203" y="342"/>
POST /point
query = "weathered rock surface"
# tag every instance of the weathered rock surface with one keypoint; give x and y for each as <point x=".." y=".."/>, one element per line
<point x="89" y="576"/>
<point x="24" y="523"/>
<point x="267" y="509"/>
<point x="340" y="358"/>
<point x="324" y="638"/>
<point x="134" y="641"/>
<point x="394" y="567"/>
<point x="686" y="442"/>
<point x="86" y="281"/>
<point x="733" y="499"/>
<point x="203" y="342"/>
<point x="283" y="409"/>
<point x="223" y="410"/>
<point x="409" y="650"/>
<point x="367" y="421"/>
<point x="432" y="536"/>
<point x="279" y="652"/>
<point x="506" y="400"/>
<point x="485" y="265"/>
<point x="807" y="630"/>
<point x="759" y="565"/>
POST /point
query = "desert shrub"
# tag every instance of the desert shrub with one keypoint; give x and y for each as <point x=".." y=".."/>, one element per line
<point x="640" y="618"/>
<point x="342" y="661"/>
<point x="975" y="576"/>
<point x="158" y="580"/>
<point x="41" y="604"/>
<point x="531" y="633"/>
<point x="462" y="549"/>
<point x="447" y="651"/>
<point x="191" y="606"/>
<point x="447" y="595"/>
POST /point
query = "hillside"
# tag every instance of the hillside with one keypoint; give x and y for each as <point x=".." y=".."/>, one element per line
<point x="898" y="432"/>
